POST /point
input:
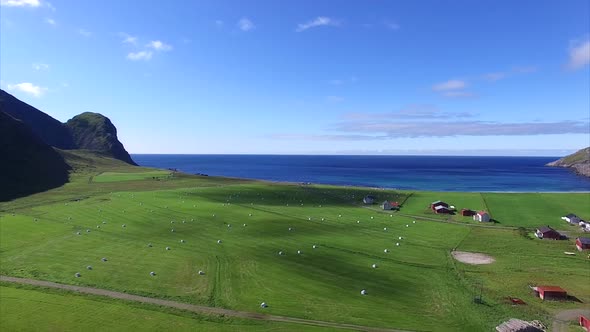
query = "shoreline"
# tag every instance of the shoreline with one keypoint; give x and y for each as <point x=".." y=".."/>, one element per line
<point x="396" y="189"/>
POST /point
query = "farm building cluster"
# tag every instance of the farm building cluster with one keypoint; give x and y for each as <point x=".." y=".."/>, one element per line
<point x="386" y="205"/>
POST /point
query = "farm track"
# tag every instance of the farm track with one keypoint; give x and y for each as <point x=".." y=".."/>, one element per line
<point x="191" y="307"/>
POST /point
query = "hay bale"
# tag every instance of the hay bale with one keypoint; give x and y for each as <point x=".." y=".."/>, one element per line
<point x="263" y="305"/>
<point x="358" y="221"/>
<point x="104" y="259"/>
<point x="399" y="238"/>
<point x="78" y="275"/>
<point x="167" y="248"/>
<point x="172" y="221"/>
<point x="228" y="225"/>
<point x="249" y="214"/>
<point x="407" y="225"/>
<point x="397" y="244"/>
<point x="372" y="217"/>
<point x="201" y="273"/>
<point x="184" y="222"/>
<point x="78" y="233"/>
<point x="97" y="226"/>
<point x="244" y="225"/>
<point x="280" y="253"/>
<point x="374" y="266"/>
<point x="363" y="292"/>
<point x="172" y="230"/>
<point x="87" y="231"/>
<point x="104" y="222"/>
<point x="89" y="267"/>
<point x="385" y="250"/>
<point x="299" y="252"/>
<point x="413" y="222"/>
<point x="314" y="246"/>
<point x="323" y="219"/>
<point x="123" y="225"/>
<point x="149" y="245"/>
<point x="290" y="228"/>
<point x="181" y="241"/>
<point x="153" y="274"/>
<point x="218" y="241"/>
<point x="385" y="228"/>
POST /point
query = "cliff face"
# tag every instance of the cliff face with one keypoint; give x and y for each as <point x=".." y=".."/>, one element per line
<point x="579" y="162"/>
<point x="93" y="131"/>
<point x="51" y="131"/>
<point x="28" y="164"/>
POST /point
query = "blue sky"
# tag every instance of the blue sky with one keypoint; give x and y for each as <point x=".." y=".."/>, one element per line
<point x="309" y="77"/>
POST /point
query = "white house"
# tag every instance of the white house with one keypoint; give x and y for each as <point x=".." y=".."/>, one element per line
<point x="482" y="216"/>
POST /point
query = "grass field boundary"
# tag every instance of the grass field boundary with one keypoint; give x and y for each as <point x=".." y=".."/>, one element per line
<point x="190" y="307"/>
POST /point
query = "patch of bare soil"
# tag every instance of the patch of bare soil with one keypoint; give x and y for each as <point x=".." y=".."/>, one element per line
<point x="473" y="258"/>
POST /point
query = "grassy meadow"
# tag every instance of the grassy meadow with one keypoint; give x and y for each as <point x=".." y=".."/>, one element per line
<point x="130" y="215"/>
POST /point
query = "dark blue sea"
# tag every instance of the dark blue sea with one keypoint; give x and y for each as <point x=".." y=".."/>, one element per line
<point x="434" y="173"/>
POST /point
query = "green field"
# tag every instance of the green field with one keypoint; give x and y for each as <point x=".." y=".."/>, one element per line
<point x="417" y="285"/>
<point x="130" y="176"/>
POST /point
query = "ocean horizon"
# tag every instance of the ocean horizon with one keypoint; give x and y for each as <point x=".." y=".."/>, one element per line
<point x="430" y="173"/>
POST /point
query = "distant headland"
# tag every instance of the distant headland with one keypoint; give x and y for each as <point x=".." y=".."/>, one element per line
<point x="579" y="162"/>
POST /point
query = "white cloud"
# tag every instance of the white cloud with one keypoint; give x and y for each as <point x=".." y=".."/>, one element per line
<point x="492" y="77"/>
<point x="128" y="39"/>
<point x="349" y="80"/>
<point x="20" y="3"/>
<point x="84" y="32"/>
<point x="141" y="55"/>
<point x="40" y="66"/>
<point x="159" y="45"/>
<point x="579" y="54"/>
<point x="391" y="25"/>
<point x="50" y="21"/>
<point x="245" y="24"/>
<point x="449" y="85"/>
<point x="458" y="94"/>
<point x="29" y="88"/>
<point x="318" y="21"/>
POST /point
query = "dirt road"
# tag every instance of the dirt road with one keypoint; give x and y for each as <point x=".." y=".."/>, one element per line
<point x="560" y="322"/>
<point x="191" y="307"/>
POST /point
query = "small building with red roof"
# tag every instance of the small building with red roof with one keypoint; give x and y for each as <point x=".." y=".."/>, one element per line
<point x="467" y="212"/>
<point x="390" y="205"/>
<point x="585" y="323"/>
<point x="551" y="292"/>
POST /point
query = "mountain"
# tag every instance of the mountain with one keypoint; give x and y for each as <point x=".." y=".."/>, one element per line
<point x="579" y="162"/>
<point x="91" y="131"/>
<point x="94" y="131"/>
<point x="28" y="164"/>
<point x="51" y="131"/>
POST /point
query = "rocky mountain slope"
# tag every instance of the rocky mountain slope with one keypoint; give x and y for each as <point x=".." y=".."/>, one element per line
<point x="579" y="162"/>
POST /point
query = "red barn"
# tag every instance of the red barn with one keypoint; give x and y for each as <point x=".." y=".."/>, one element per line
<point x="467" y="212"/>
<point x="585" y="323"/>
<point x="547" y="232"/>
<point x="551" y="292"/>
<point x="583" y="243"/>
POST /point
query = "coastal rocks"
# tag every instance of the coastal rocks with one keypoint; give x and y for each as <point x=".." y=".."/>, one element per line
<point x="578" y="162"/>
